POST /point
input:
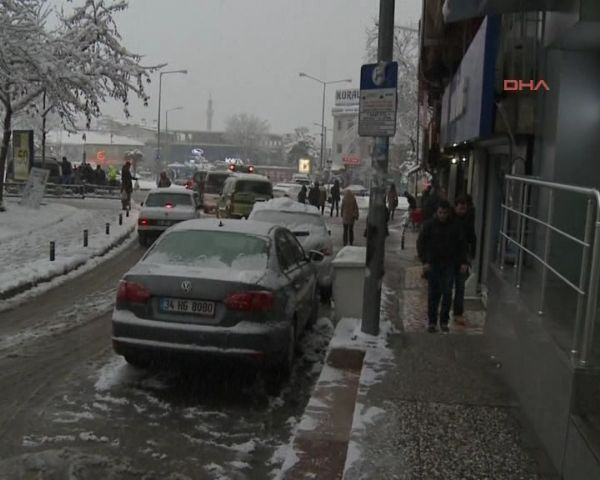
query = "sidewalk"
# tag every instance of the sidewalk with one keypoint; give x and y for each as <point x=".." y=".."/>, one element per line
<point x="409" y="404"/>
<point x="26" y="234"/>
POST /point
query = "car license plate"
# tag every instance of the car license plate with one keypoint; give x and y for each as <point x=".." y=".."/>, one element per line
<point x="193" y="307"/>
<point x="163" y="223"/>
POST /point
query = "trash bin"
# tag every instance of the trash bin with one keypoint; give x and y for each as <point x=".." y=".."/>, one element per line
<point x="348" y="282"/>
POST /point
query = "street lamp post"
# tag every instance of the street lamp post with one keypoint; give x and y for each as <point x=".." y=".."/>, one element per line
<point x="324" y="83"/>
<point x="168" y="72"/>
<point x="167" y="126"/>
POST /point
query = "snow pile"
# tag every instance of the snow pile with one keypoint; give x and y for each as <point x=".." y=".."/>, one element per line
<point x="26" y="237"/>
<point x="284" y="204"/>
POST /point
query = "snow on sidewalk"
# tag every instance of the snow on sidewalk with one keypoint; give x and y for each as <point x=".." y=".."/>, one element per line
<point x="25" y="235"/>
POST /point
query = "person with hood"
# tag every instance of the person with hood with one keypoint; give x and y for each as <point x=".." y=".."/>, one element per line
<point x="100" y="176"/>
<point x="67" y="171"/>
<point x="126" y="185"/>
<point x="322" y="198"/>
<point x="335" y="198"/>
<point x="392" y="201"/>
<point x="349" y="216"/>
<point x="442" y="249"/>
<point x="302" y="195"/>
<point x="163" y="181"/>
<point x="313" y="195"/>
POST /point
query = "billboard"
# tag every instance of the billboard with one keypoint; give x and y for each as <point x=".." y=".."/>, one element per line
<point x="22" y="153"/>
<point x="346" y="97"/>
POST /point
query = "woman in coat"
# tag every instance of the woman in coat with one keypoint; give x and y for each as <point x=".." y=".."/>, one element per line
<point x="349" y="216"/>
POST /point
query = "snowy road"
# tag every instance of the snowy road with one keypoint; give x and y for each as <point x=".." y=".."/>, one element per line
<point x="70" y="404"/>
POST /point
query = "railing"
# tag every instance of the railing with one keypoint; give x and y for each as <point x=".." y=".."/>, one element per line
<point x="587" y="285"/>
<point x="59" y="190"/>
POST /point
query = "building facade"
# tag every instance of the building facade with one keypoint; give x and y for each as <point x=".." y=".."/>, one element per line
<point x="527" y="156"/>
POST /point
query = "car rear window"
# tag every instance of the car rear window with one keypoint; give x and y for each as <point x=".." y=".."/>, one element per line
<point x="161" y="199"/>
<point x="262" y="188"/>
<point x="215" y="182"/>
<point x="290" y="220"/>
<point x="210" y="249"/>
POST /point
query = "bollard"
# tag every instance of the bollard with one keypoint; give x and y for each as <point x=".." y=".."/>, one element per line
<point x="127" y="213"/>
<point x="52" y="251"/>
<point x="108" y="228"/>
<point x="85" y="238"/>
<point x="120" y="219"/>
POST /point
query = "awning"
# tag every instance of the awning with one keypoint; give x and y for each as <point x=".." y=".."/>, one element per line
<point x="458" y="10"/>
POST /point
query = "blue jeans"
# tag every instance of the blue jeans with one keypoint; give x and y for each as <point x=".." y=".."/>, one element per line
<point x="459" y="291"/>
<point x="439" y="279"/>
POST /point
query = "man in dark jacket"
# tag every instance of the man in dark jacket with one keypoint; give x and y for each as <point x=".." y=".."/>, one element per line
<point x="464" y="221"/>
<point x="67" y="171"/>
<point x="302" y="194"/>
<point x="126" y="185"/>
<point x="442" y="249"/>
<point x="314" y="195"/>
<point x="335" y="198"/>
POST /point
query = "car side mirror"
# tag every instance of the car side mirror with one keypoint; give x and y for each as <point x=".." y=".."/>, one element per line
<point x="315" y="256"/>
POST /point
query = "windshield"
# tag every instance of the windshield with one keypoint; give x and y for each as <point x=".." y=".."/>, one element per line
<point x="162" y="199"/>
<point x="211" y="249"/>
<point x="261" y="188"/>
<point x="215" y="182"/>
<point x="291" y="220"/>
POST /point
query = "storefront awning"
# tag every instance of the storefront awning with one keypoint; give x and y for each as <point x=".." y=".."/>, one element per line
<point x="458" y="10"/>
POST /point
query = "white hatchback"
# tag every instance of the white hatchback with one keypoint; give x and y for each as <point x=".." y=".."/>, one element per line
<point x="163" y="208"/>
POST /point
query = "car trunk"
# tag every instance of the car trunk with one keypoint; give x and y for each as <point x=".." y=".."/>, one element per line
<point x="208" y="286"/>
<point x="166" y="216"/>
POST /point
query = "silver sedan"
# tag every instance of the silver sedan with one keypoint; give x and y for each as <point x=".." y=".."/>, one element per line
<point x="218" y="288"/>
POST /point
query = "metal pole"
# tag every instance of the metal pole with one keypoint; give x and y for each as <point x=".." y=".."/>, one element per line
<point x="52" y="251"/>
<point x="592" y="303"/>
<point x="107" y="228"/>
<point x="521" y="235"/>
<point x="158" y="155"/>
<point x="85" y="238"/>
<point x="547" y="243"/>
<point x="322" y="130"/>
<point x="44" y="129"/>
<point x="376" y="221"/>
<point x="505" y="213"/>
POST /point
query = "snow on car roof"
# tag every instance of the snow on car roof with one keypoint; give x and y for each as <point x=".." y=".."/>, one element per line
<point x="251" y="227"/>
<point x="284" y="204"/>
<point x="171" y="189"/>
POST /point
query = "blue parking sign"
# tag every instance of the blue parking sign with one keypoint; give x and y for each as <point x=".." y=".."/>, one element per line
<point x="378" y="99"/>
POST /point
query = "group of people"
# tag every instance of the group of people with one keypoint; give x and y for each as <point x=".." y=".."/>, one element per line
<point x="446" y="246"/>
<point x="85" y="173"/>
<point x="317" y="197"/>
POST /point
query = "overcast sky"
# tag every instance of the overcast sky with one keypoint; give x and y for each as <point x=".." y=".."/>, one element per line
<point x="248" y="53"/>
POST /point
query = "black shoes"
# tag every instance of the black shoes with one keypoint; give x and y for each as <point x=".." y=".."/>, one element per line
<point x="432" y="329"/>
<point x="445" y="329"/>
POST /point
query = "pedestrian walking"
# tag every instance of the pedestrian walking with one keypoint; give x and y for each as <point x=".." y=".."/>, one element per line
<point x="349" y="216"/>
<point x="100" y="176"/>
<point x="126" y="185"/>
<point x="163" y="181"/>
<point x="322" y="198"/>
<point x="302" y="195"/>
<point x="112" y="175"/>
<point x="67" y="171"/>
<point x="442" y="249"/>
<point x="467" y="228"/>
<point x="392" y="201"/>
<point x="313" y="195"/>
<point x="335" y="198"/>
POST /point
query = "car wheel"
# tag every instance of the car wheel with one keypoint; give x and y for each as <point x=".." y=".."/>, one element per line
<point x="325" y="293"/>
<point x="137" y="361"/>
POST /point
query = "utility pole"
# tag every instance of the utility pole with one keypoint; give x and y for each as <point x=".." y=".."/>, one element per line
<point x="376" y="220"/>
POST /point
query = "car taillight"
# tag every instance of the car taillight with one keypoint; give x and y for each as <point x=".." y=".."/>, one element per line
<point x="169" y="205"/>
<point x="131" y="292"/>
<point x="251" y="301"/>
<point x="143" y="221"/>
<point x="325" y="251"/>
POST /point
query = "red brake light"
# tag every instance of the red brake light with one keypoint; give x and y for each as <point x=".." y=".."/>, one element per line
<point x="250" y="169"/>
<point x="168" y="205"/>
<point x="131" y="292"/>
<point x="251" y="301"/>
<point x="232" y="168"/>
<point x="143" y="221"/>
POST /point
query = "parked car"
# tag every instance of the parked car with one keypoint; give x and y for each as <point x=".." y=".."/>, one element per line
<point x="301" y="179"/>
<point x="240" y="192"/>
<point x="163" y="208"/>
<point x="218" y="288"/>
<point x="213" y="187"/>
<point x="308" y="225"/>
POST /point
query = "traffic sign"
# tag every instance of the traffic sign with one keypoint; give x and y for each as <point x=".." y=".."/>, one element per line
<point x="378" y="99"/>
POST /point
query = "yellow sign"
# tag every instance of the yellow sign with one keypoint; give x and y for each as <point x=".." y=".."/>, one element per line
<point x="304" y="165"/>
<point x="22" y="141"/>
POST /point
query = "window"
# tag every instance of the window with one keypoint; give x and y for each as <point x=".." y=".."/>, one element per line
<point x="350" y="124"/>
<point x="338" y="148"/>
<point x="285" y="254"/>
<point x="162" y="199"/>
<point x="261" y="188"/>
<point x="339" y="124"/>
<point x="296" y="250"/>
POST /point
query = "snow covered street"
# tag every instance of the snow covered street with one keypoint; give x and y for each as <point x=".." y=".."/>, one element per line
<point x="26" y="235"/>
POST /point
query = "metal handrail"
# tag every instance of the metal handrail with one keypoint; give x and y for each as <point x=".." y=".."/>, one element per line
<point x="589" y="278"/>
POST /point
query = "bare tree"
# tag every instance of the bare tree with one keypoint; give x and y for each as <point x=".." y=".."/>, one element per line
<point x="78" y="65"/>
<point x="249" y="133"/>
<point x="300" y="144"/>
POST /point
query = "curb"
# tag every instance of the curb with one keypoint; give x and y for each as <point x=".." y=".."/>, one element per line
<point x="28" y="285"/>
<point x="319" y="446"/>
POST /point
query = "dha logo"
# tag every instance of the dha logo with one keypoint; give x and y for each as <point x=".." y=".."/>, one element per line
<point x="520" y="85"/>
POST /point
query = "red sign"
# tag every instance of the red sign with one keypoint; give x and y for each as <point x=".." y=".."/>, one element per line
<point x="352" y="160"/>
<point x="520" y="85"/>
<point x="101" y="156"/>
